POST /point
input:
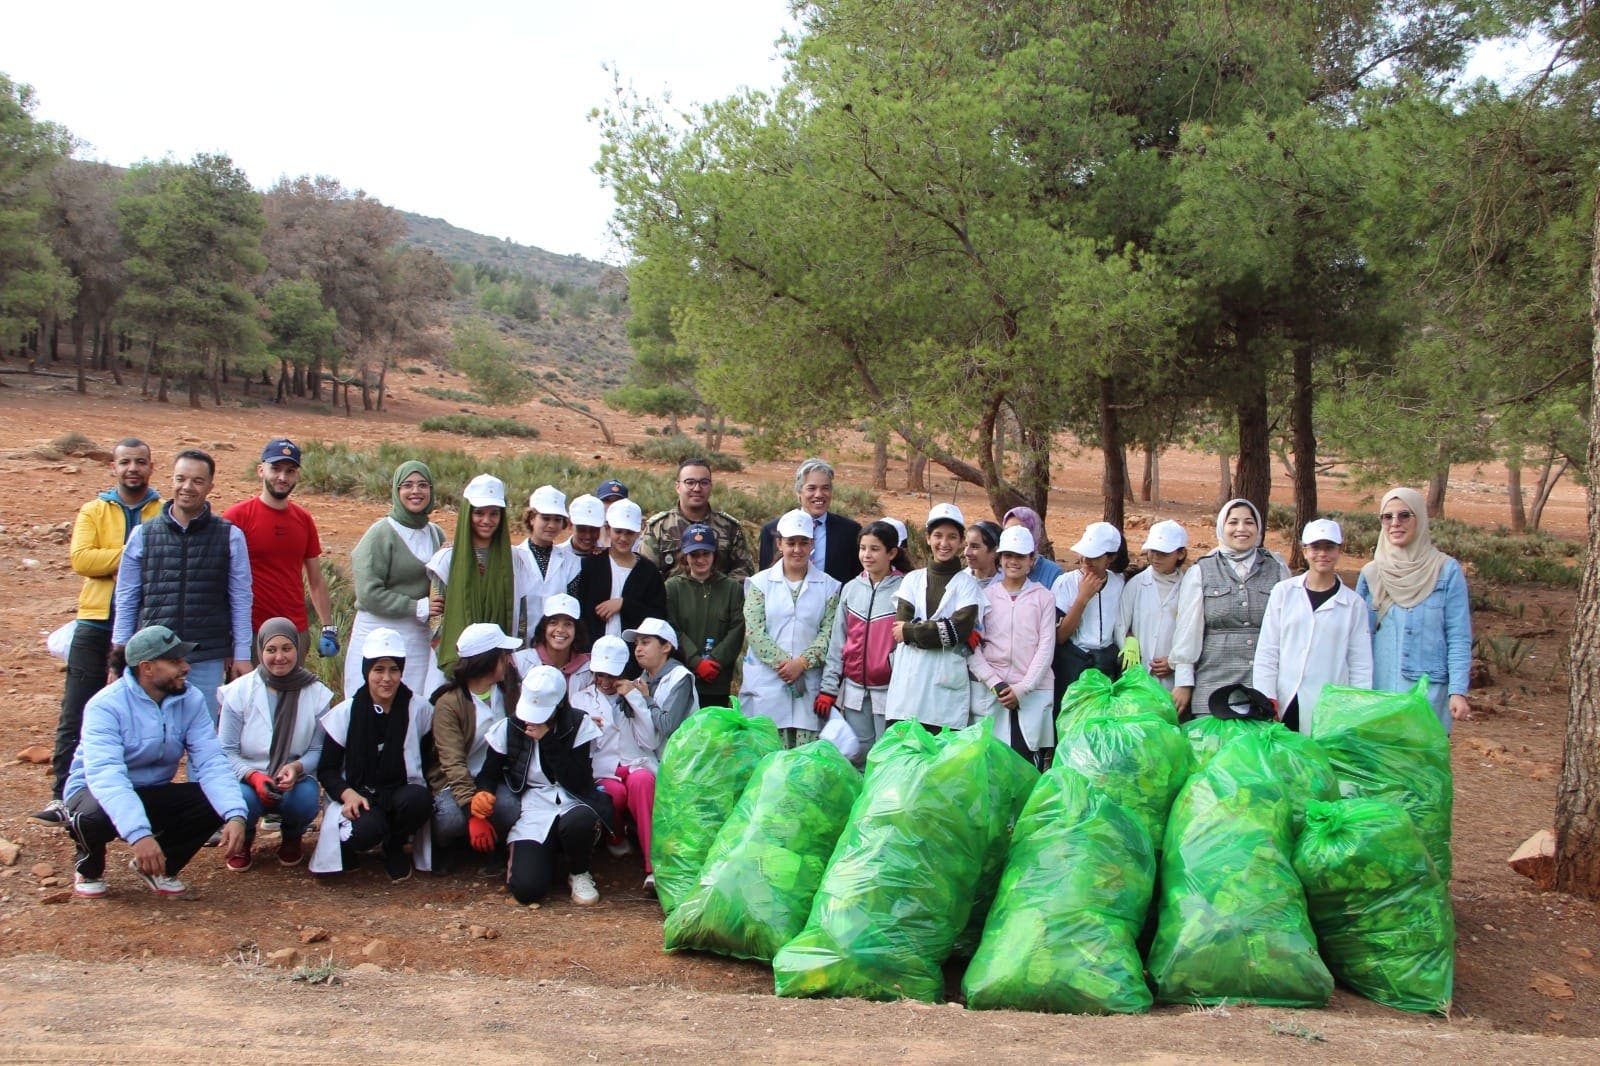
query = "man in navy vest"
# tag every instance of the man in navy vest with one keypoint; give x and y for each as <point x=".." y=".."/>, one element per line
<point x="189" y="570"/>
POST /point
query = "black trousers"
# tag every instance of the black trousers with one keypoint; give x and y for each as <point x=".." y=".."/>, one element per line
<point x="86" y="675"/>
<point x="390" y="821"/>
<point x="1071" y="661"/>
<point x="533" y="862"/>
<point x="181" y="820"/>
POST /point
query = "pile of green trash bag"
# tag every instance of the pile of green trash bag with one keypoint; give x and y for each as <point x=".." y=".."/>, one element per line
<point x="1134" y="692"/>
<point x="1390" y="746"/>
<point x="756" y="886"/>
<point x="704" y="769"/>
<point x="910" y="867"/>
<point x="1208" y="733"/>
<point x="1077" y="886"/>
<point x="1381" y="910"/>
<point x="1138" y="758"/>
<point x="1231" y="920"/>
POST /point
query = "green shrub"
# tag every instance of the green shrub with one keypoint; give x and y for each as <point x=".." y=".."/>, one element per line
<point x="451" y="395"/>
<point x="675" y="449"/>
<point x="477" y="426"/>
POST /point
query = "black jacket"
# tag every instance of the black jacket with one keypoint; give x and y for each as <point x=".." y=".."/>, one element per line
<point x="644" y="593"/>
<point x="841" y="561"/>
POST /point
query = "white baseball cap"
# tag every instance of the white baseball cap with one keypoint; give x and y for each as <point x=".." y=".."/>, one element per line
<point x="1017" y="540"/>
<point x="383" y="643"/>
<point x="485" y="490"/>
<point x="542" y="692"/>
<point x="625" y="514"/>
<point x="1322" y="529"/>
<point x="560" y="605"/>
<point x="547" y="499"/>
<point x="651" y="627"/>
<point x="899" y="527"/>
<point x="945" y="512"/>
<point x="587" y="510"/>
<point x="797" y="523"/>
<point x="480" y="637"/>
<point x="1166" y="536"/>
<point x="1101" y="538"/>
<point x="609" y="656"/>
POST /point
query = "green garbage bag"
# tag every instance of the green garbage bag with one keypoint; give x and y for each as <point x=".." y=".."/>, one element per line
<point x="1135" y="692"/>
<point x="1381" y="910"/>
<point x="1062" y="934"/>
<point x="1092" y="691"/>
<point x="1232" y="921"/>
<point x="1011" y="781"/>
<point x="755" y="889"/>
<point x="908" y="868"/>
<point x="1140" y="760"/>
<point x="1208" y="733"/>
<point x="1390" y="745"/>
<point x="703" y="771"/>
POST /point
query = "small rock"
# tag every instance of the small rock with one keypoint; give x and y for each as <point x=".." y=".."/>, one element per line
<point x="285" y="958"/>
<point x="313" y="934"/>
<point x="37" y="754"/>
<point x="376" y="949"/>
<point x="1554" y="1016"/>
<point x="60" y="895"/>
<point x="1582" y="953"/>
<point x="1552" y="985"/>
<point x="483" y="932"/>
<point x="366" y="967"/>
<point x="9" y="852"/>
<point x="42" y="869"/>
<point x="49" y="882"/>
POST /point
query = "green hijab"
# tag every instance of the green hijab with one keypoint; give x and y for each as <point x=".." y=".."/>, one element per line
<point x="474" y="596"/>
<point x="397" y="510"/>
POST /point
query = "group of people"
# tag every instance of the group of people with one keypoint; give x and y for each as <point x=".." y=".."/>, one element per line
<point x="513" y="700"/>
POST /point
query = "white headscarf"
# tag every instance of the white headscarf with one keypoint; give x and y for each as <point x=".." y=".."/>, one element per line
<point x="1408" y="575"/>
<point x="1241" y="561"/>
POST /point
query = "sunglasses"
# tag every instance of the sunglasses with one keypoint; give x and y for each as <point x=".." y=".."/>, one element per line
<point x="1401" y="516"/>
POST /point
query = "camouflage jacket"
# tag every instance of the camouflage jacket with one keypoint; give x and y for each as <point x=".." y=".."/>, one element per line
<point x="663" y="536"/>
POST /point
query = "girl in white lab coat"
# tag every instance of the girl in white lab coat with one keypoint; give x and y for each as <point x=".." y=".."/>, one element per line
<point x="1315" y="633"/>
<point x="939" y="609"/>
<point x="1149" y="610"/>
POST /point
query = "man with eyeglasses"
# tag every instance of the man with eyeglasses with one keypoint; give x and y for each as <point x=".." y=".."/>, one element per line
<point x="663" y="531"/>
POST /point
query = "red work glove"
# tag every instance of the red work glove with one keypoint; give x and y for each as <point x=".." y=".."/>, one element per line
<point x="482" y="804"/>
<point x="974" y="639"/>
<point x="824" y="704"/>
<point x="707" y="670"/>
<point x="480" y="833"/>
<point x="263" y="787"/>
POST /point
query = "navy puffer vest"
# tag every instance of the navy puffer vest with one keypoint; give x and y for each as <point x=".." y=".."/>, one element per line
<point x="185" y="580"/>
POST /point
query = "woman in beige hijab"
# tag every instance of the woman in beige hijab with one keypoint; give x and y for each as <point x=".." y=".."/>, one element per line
<point x="1421" y="618"/>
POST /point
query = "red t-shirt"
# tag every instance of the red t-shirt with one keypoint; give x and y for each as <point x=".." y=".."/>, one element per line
<point x="280" y="542"/>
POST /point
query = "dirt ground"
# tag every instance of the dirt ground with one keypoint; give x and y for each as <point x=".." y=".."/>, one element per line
<point x="451" y="957"/>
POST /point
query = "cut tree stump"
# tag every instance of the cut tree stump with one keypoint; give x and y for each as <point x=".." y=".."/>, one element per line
<point x="1536" y="859"/>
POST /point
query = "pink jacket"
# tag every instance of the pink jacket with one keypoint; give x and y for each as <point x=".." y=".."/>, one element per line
<point x="1019" y="639"/>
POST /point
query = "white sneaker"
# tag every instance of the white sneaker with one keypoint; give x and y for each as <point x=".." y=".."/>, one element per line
<point x="83" y="886"/>
<point x="584" y="894"/>
<point x="160" y="884"/>
<point x="620" y="848"/>
<point x="649" y="882"/>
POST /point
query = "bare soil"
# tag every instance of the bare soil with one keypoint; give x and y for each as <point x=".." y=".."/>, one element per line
<point x="131" y="975"/>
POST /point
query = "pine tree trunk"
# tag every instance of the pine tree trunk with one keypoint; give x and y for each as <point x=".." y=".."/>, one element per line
<point x="1305" y="452"/>
<point x="1437" y="484"/>
<point x="1036" y="444"/>
<point x="1224" y="478"/>
<point x="917" y="473"/>
<point x="1114" y="465"/>
<point x="149" y="367"/>
<point x="880" y="459"/>
<point x="1150" y="481"/>
<point x="1578" y="799"/>
<point x="1253" y="477"/>
<point x="1519" y="517"/>
<point x="80" y="354"/>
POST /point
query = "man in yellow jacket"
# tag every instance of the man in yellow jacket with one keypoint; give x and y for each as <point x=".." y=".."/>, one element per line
<point x="98" y="535"/>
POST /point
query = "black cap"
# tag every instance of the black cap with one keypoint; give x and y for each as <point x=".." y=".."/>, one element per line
<point x="1240" y="701"/>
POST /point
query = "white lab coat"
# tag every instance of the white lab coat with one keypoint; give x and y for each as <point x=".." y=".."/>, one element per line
<point x="564" y="567"/>
<point x="793" y="624"/>
<point x="1299" y="652"/>
<point x="1149" y="611"/>
<point x="931" y="685"/>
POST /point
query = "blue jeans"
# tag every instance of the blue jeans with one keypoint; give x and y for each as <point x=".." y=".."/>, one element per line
<point x="298" y="808"/>
<point x="207" y="677"/>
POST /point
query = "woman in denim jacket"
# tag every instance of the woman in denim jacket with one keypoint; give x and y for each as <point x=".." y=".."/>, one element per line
<point x="1420" y="615"/>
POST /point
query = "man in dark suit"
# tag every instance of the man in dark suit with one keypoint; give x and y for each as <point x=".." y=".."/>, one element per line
<point x="834" y="549"/>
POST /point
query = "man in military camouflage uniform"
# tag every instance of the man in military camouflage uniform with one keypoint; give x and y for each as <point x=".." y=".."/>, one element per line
<point x="663" y="532"/>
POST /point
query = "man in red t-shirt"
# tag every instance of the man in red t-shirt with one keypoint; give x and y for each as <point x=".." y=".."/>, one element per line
<point x="283" y="544"/>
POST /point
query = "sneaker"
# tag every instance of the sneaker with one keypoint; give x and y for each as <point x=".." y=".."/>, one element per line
<point x="584" y="894"/>
<point x="290" y="852"/>
<point x="160" y="884"/>
<point x="619" y="848"/>
<point x="397" y="864"/>
<point x="89" y="888"/>
<point x="53" y="815"/>
<point x="649" y="882"/>
<point x="239" y="863"/>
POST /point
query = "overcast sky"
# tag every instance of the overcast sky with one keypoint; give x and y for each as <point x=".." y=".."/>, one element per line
<point x="475" y="112"/>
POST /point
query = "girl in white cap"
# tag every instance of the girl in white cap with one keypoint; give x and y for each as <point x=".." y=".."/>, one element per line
<point x="788" y="618"/>
<point x="1089" y="599"/>
<point x="1314" y="633"/>
<point x="621" y="588"/>
<point x="550" y="571"/>
<point x="1149" y="611"/>
<point x="1019" y="642"/>
<point x="938" y="611"/>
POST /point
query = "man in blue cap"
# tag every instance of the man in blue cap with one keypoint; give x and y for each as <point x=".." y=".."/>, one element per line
<point x="135" y="732"/>
<point x="283" y="544"/>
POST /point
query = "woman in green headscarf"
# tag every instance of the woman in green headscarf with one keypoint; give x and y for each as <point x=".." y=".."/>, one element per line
<point x="485" y="584"/>
<point x="391" y="576"/>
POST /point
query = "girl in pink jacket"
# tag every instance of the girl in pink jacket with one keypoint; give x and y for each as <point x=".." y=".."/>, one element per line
<point x="1019" y="643"/>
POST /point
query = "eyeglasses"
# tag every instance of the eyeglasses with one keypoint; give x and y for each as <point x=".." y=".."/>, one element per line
<point x="695" y="482"/>
<point x="1402" y="517"/>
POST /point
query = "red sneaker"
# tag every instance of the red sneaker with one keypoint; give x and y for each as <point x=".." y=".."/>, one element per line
<point x="239" y="863"/>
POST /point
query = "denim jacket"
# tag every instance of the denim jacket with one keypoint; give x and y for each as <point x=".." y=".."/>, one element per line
<point x="1438" y="631"/>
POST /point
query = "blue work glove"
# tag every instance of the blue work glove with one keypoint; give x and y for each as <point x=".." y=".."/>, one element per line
<point x="328" y="646"/>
